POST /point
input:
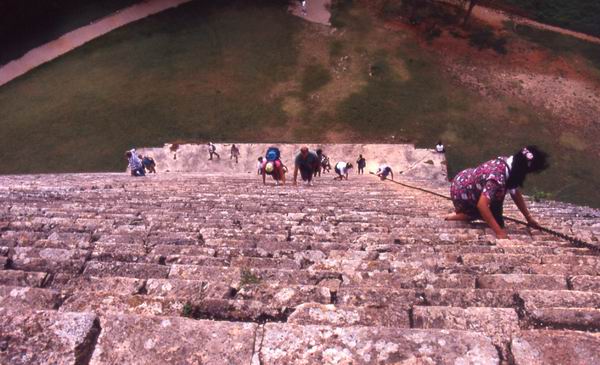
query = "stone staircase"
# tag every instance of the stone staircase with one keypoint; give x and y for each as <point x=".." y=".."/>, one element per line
<point x="215" y="269"/>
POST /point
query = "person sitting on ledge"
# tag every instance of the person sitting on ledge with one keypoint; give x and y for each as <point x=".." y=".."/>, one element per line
<point x="383" y="171"/>
<point x="135" y="164"/>
<point x="479" y="192"/>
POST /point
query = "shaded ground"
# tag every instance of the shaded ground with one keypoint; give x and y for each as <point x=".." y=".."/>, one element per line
<point x="25" y="25"/>
<point x="71" y="40"/>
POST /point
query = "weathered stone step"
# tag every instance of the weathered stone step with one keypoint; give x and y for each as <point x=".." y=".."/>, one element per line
<point x="343" y="316"/>
<point x="522" y="281"/>
<point x="126" y="269"/>
<point x="294" y="344"/>
<point x="533" y="299"/>
<point x="172" y="340"/>
<point x="464" y="298"/>
<point x="500" y="324"/>
<point x="584" y="283"/>
<point x="48" y="259"/>
<point x="398" y="280"/>
<point x="22" y="278"/>
<point x="26" y="297"/>
<point x="46" y="337"/>
<point x="69" y="284"/>
<point x="555" y="347"/>
<point x="235" y="276"/>
<point x="583" y="319"/>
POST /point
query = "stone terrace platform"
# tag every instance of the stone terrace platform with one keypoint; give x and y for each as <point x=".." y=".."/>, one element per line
<point x="200" y="269"/>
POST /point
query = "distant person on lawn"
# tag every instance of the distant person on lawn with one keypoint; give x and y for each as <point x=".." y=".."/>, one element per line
<point x="135" y="164"/>
<point x="383" y="171"/>
<point x="212" y="150"/>
<point x="307" y="162"/>
<point x="342" y="168"/>
<point x="479" y="192"/>
<point x="361" y="163"/>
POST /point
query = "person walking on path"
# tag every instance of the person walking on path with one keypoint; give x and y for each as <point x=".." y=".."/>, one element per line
<point x="135" y="164"/>
<point x="235" y="153"/>
<point x="307" y="162"/>
<point x="212" y="150"/>
<point x="479" y="192"/>
<point x="361" y="163"/>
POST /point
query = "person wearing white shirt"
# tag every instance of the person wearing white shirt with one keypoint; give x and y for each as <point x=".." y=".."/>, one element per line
<point x="342" y="168"/>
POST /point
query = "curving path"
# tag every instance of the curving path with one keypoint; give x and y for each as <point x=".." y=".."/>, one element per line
<point x="498" y="17"/>
<point x="80" y="36"/>
<point x="317" y="11"/>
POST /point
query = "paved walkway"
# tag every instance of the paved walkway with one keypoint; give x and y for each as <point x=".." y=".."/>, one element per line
<point x="316" y="11"/>
<point x="498" y="17"/>
<point x="80" y="36"/>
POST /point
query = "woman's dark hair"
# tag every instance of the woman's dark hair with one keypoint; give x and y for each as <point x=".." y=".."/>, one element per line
<point x="526" y="160"/>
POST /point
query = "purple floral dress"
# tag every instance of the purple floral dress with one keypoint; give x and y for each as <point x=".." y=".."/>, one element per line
<point x="488" y="179"/>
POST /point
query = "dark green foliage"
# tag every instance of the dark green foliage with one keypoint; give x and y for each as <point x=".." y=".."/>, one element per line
<point x="338" y="8"/>
<point x="247" y="277"/>
<point x="579" y="15"/>
<point x="432" y="32"/>
<point x="188" y="310"/>
<point x="336" y="48"/>
<point x="485" y="38"/>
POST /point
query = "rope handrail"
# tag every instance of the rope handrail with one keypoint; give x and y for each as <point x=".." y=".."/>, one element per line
<point x="574" y="241"/>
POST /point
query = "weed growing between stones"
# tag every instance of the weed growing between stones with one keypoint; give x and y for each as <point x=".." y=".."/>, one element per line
<point x="248" y="277"/>
<point x="187" y="310"/>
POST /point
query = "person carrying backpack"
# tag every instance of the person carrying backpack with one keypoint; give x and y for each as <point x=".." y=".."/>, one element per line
<point x="272" y="165"/>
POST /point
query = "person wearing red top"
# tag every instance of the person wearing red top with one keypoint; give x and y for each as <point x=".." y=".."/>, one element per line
<point x="479" y="192"/>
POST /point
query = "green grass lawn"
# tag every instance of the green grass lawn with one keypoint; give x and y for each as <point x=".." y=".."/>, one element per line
<point x="238" y="72"/>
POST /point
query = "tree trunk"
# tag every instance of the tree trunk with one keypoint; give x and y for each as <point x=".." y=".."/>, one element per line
<point x="472" y="4"/>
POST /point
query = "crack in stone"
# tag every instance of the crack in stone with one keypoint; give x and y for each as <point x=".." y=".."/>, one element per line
<point x="256" y="353"/>
<point x="85" y="350"/>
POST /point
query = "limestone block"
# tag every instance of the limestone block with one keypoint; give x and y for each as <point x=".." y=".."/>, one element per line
<point x="46" y="337"/>
<point x="129" y="339"/>
<point x="556" y="347"/>
<point x="295" y="344"/>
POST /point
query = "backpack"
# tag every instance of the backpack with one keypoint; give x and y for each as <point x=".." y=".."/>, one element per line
<point x="273" y="154"/>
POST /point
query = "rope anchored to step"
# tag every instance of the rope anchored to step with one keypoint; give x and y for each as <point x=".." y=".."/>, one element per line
<point x="574" y="241"/>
